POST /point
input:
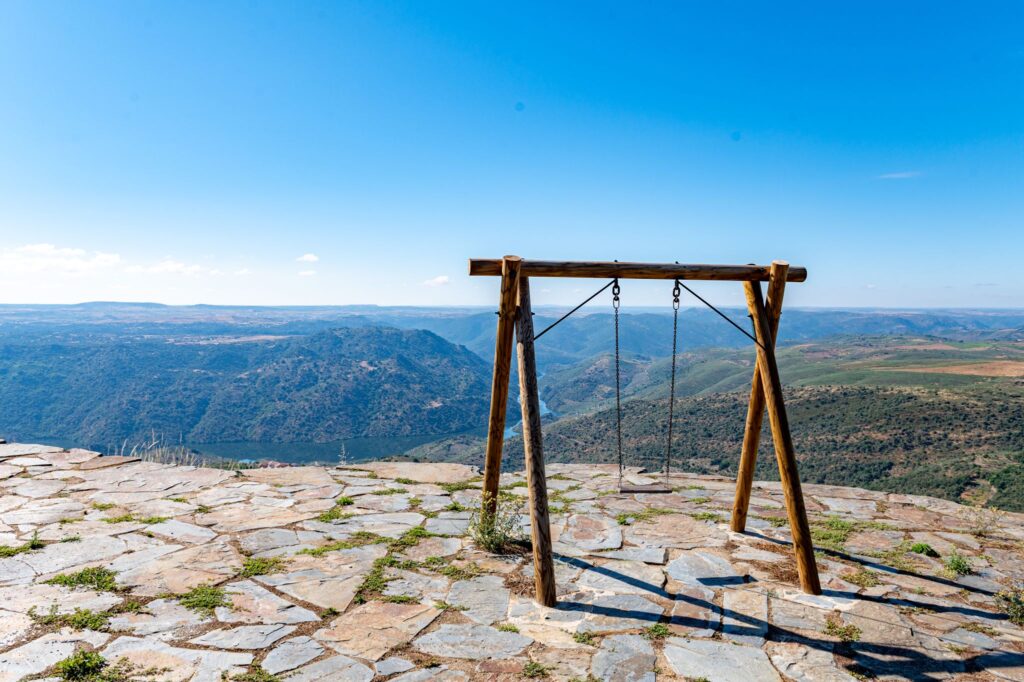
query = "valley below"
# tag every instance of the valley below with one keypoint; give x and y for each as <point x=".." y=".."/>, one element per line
<point x="921" y="402"/>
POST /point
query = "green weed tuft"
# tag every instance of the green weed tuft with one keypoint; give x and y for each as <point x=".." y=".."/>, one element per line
<point x="203" y="599"/>
<point x="957" y="565"/>
<point x="263" y="566"/>
<point x="95" y="578"/>
<point x="81" y="665"/>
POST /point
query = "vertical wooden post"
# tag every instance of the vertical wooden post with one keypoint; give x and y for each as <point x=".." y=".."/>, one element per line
<point x="755" y="410"/>
<point x="540" y="526"/>
<point x="784" y="451"/>
<point x="499" y="383"/>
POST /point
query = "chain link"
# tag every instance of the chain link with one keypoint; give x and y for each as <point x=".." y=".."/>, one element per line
<point x="618" y="400"/>
<point x="676" y="290"/>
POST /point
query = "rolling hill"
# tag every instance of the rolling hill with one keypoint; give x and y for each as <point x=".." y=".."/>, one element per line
<point x="335" y="384"/>
<point x="911" y="415"/>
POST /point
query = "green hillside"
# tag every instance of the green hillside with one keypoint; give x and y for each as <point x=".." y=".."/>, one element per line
<point x="336" y="384"/>
<point x="904" y="415"/>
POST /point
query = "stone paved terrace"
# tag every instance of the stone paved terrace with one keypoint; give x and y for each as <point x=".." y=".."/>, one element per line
<point x="652" y="587"/>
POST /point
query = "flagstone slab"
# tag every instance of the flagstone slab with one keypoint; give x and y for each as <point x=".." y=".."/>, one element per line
<point x="291" y="653"/>
<point x="244" y="637"/>
<point x="624" y="658"/>
<point x="14" y="626"/>
<point x="334" y="669"/>
<point x="236" y="518"/>
<point x="107" y="461"/>
<point x="180" y="571"/>
<point x="140" y="554"/>
<point x="592" y="532"/>
<point x="11" y="501"/>
<point x="183" y="532"/>
<point x="393" y="665"/>
<point x="806" y="664"/>
<point x="390" y="525"/>
<point x="438" y="674"/>
<point x="31" y="487"/>
<point x="433" y="547"/>
<point x="718" y="661"/>
<point x="449" y="523"/>
<point x="62" y="556"/>
<point x="371" y="630"/>
<point x="8" y="450"/>
<point x="15" y="572"/>
<point x="312" y="476"/>
<point x="433" y="472"/>
<point x="425" y="588"/>
<point x="680" y="531"/>
<point x="484" y="598"/>
<point x="694" y="612"/>
<point x="473" y="642"/>
<point x="43" y="597"/>
<point x="252" y="603"/>
<point x="39" y="654"/>
<point x="179" y="664"/>
<point x="327" y="581"/>
<point x="41" y="511"/>
<point x="384" y="503"/>
<point x="647" y="554"/>
<point x="163" y="619"/>
<point x="745" y="617"/>
<point x="703" y="569"/>
<point x="613" y="612"/>
<point x="623" y="577"/>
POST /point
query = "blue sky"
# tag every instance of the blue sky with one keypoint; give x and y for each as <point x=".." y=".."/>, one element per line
<point x="342" y="152"/>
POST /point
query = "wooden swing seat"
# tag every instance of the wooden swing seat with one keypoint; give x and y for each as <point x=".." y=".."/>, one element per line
<point x="646" y="488"/>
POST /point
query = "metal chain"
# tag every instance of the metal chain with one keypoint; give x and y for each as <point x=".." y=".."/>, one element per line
<point x="618" y="400"/>
<point x="676" y="290"/>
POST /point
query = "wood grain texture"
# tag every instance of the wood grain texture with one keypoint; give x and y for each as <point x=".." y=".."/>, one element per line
<point x="499" y="383"/>
<point x="755" y="409"/>
<point x="784" y="451"/>
<point x="605" y="270"/>
<point x="533" y="446"/>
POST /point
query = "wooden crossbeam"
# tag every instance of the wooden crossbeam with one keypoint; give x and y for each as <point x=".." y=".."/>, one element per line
<point x="603" y="270"/>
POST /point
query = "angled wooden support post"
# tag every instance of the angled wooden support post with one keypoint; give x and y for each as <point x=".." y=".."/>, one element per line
<point x="499" y="384"/>
<point x="533" y="446"/>
<point x="755" y="410"/>
<point x="784" y="452"/>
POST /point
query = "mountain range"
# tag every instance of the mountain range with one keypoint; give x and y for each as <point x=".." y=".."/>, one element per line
<point x="328" y="386"/>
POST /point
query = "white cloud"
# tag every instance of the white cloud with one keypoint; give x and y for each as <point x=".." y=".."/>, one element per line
<point x="308" y="258"/>
<point x="47" y="258"/>
<point x="242" y="272"/>
<point x="439" y="281"/>
<point x="169" y="266"/>
<point x="899" y="175"/>
<point x="307" y="273"/>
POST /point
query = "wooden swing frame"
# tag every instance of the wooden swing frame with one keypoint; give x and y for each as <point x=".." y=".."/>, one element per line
<point x="515" y="313"/>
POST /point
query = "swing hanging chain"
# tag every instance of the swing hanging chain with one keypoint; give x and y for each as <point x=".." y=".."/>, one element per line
<point x="721" y="314"/>
<point x="618" y="400"/>
<point x="588" y="300"/>
<point x="672" y="387"/>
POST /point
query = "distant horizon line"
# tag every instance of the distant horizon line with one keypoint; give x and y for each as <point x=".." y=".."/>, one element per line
<point x="469" y="306"/>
